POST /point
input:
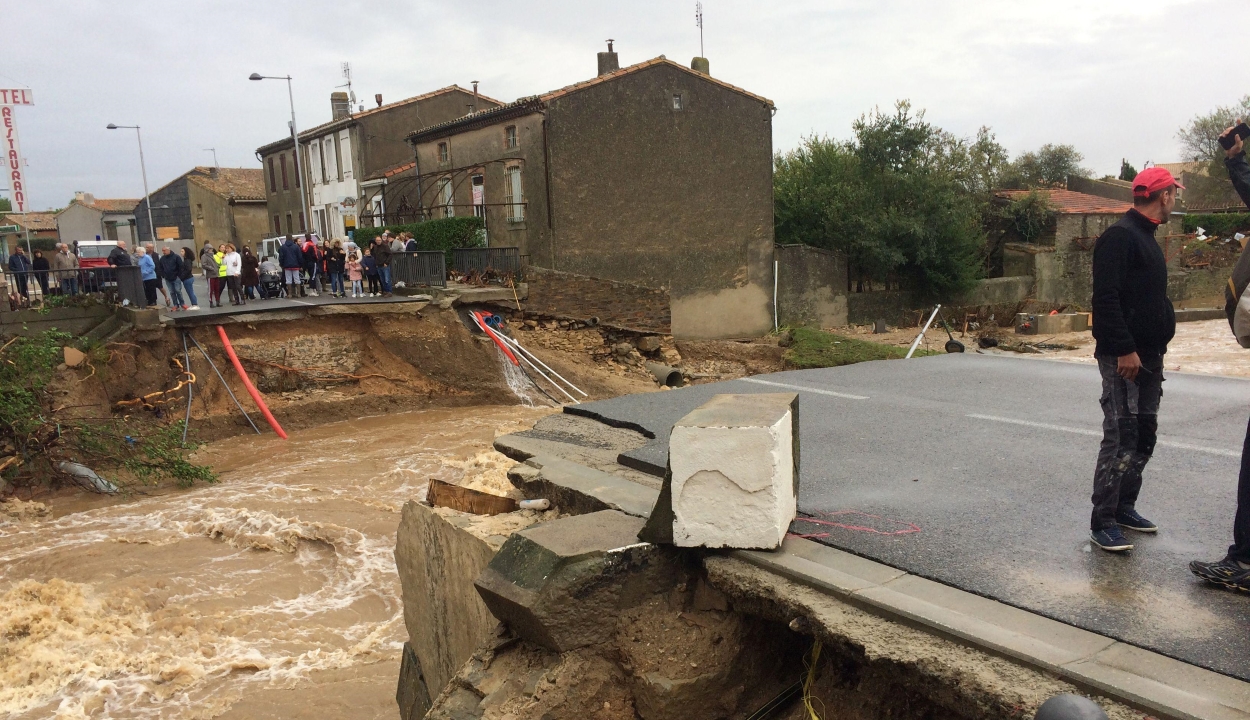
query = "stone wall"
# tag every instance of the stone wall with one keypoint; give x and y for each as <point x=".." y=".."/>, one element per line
<point x="616" y="304"/>
<point x="901" y="308"/>
<point x="76" y="321"/>
<point x="811" y="286"/>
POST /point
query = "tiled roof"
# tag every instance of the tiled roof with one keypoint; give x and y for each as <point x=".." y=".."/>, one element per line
<point x="661" y="60"/>
<point x="35" y="221"/>
<point x="324" y="127"/>
<point x="392" y="171"/>
<point x="237" y="183"/>
<point x="1196" y="167"/>
<point x="109" y="205"/>
<point x="538" y="102"/>
<point x="1068" y="202"/>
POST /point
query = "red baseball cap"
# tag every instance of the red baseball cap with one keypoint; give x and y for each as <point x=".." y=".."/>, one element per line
<point x="1153" y="179"/>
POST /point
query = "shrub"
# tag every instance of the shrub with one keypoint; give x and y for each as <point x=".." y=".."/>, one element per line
<point x="1029" y="216"/>
<point x="444" y="234"/>
<point x="1222" y="224"/>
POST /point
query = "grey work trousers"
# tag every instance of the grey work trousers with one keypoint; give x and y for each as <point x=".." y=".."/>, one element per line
<point x="1130" y="425"/>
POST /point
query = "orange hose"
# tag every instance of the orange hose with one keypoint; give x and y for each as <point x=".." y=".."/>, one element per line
<point x="251" y="389"/>
<point x="491" y="334"/>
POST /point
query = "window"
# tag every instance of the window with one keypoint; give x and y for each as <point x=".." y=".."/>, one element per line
<point x="302" y="227"/>
<point x="515" y="199"/>
<point x="282" y="161"/>
<point x="290" y="229"/>
<point x="273" y="182"/>
<point x="330" y="157"/>
<point x="443" y="154"/>
<point x="345" y="153"/>
<point x="199" y="211"/>
<point x="316" y="170"/>
<point x="277" y="219"/>
<point x="679" y="102"/>
<point x="478" y="183"/>
<point x="445" y="197"/>
<point x="509" y="136"/>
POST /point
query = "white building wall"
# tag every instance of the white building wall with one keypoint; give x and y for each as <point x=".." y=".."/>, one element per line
<point x="332" y="171"/>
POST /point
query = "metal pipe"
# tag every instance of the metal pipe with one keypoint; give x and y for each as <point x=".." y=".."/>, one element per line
<point x="553" y="383"/>
<point x="517" y="345"/>
<point x="147" y="198"/>
<point x="186" y="423"/>
<point x="776" y="270"/>
<point x="923" y="330"/>
<point x="663" y="374"/>
<point x="223" y="381"/>
<point x="486" y="330"/>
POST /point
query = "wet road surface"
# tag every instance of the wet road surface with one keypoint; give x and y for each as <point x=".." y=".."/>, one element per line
<point x="976" y="471"/>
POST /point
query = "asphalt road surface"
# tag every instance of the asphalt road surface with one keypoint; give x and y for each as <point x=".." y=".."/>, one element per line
<point x="976" y="471"/>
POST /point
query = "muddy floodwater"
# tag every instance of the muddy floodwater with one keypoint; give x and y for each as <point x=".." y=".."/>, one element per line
<point x="272" y="594"/>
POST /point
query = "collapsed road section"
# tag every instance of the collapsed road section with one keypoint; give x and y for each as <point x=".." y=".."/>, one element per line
<point x="627" y="600"/>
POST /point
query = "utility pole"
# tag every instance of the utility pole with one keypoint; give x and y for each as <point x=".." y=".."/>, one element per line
<point x="698" y="20"/>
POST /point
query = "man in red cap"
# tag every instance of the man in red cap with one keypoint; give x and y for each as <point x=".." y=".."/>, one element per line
<point x="1233" y="572"/>
<point x="1133" y="323"/>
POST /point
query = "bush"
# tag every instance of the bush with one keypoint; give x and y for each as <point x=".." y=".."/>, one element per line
<point x="1029" y="216"/>
<point x="811" y="348"/>
<point x="1222" y="224"/>
<point x="444" y="234"/>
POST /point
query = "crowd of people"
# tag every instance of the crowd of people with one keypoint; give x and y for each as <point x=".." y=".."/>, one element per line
<point x="304" y="267"/>
<point x="60" y="272"/>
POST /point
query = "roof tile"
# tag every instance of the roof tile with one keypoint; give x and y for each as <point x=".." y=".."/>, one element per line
<point x="1068" y="202"/>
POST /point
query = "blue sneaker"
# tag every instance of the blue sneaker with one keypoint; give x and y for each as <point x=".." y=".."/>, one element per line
<point x="1133" y="521"/>
<point x="1227" y="573"/>
<point x="1110" y="539"/>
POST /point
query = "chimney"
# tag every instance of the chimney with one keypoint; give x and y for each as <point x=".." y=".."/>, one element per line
<point x="378" y="99"/>
<point x="608" y="61"/>
<point x="84" y="198"/>
<point x="700" y="65"/>
<point x="340" y="106"/>
<point x="474" y="109"/>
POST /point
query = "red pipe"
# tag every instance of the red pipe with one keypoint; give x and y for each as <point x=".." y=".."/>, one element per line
<point x="251" y="389"/>
<point x="491" y="334"/>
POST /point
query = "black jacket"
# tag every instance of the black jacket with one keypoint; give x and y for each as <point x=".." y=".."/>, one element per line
<point x="382" y="254"/>
<point x="1132" y="312"/>
<point x="169" y="266"/>
<point x="1239" y="173"/>
<point x="289" y="255"/>
<point x="336" y="260"/>
<point x="119" y="258"/>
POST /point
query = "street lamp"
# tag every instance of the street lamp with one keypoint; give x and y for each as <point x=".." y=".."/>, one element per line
<point x="299" y="174"/>
<point x="147" y="200"/>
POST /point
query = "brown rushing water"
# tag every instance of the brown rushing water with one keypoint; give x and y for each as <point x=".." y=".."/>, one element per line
<point x="272" y="594"/>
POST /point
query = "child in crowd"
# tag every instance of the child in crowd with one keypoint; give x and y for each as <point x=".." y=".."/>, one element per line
<point x="371" y="271"/>
<point x="354" y="273"/>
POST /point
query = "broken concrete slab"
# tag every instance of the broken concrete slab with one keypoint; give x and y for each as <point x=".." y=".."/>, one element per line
<point x="438" y="554"/>
<point x="554" y="584"/>
<point x="735" y="472"/>
<point x="412" y="695"/>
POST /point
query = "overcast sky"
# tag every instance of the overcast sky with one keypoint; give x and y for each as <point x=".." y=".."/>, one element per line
<point x="1115" y="78"/>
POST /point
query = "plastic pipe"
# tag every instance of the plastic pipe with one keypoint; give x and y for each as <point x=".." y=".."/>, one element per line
<point x="251" y="389"/>
<point x="517" y="345"/>
<point x="224" y="384"/>
<point x="923" y="330"/>
<point x="477" y="318"/>
<point x="553" y="383"/>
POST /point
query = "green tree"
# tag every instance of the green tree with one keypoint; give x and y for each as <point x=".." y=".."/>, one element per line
<point x="1127" y="171"/>
<point x="5" y="205"/>
<point x="1200" y="138"/>
<point x="900" y="200"/>
<point x="1048" y="167"/>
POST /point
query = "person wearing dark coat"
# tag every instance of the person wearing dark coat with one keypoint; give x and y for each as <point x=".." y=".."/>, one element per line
<point x="169" y="268"/>
<point x="250" y="278"/>
<point x="19" y="265"/>
<point x="382" y="258"/>
<point x="118" y="257"/>
<point x="336" y="262"/>
<point x="188" y="277"/>
<point x="291" y="258"/>
<point x="41" y="268"/>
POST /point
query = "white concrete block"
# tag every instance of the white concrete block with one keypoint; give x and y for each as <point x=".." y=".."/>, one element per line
<point x="735" y="475"/>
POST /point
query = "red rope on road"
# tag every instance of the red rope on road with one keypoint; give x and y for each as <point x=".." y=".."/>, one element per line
<point x="247" y="383"/>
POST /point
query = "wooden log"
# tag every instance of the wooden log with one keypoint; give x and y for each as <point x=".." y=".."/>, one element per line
<point x="445" y="494"/>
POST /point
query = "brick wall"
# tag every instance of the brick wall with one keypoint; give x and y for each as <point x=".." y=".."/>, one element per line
<point x="616" y="304"/>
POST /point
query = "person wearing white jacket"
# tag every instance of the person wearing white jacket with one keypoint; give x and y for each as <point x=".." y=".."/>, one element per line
<point x="234" y="268"/>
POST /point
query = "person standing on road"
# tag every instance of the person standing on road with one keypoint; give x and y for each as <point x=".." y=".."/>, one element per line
<point x="187" y="276"/>
<point x="335" y="264"/>
<point x="233" y="264"/>
<point x="147" y="271"/>
<point x="310" y="263"/>
<point x="212" y="272"/>
<point x="1233" y="571"/>
<point x="41" y="267"/>
<point x="169" y="267"/>
<point x="118" y="257"/>
<point x="251" y="273"/>
<point x="355" y="274"/>
<point x="1133" y="323"/>
<point x="291" y="260"/>
<point x="65" y="264"/>
<point x="19" y="265"/>
<point x="370" y="268"/>
<point x="382" y="259"/>
<point x="411" y="245"/>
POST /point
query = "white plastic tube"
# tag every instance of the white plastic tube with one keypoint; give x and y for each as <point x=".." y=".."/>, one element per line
<point x="517" y="346"/>
<point x="923" y="330"/>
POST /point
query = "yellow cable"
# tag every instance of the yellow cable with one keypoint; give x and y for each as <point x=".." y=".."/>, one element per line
<point x="812" y="661"/>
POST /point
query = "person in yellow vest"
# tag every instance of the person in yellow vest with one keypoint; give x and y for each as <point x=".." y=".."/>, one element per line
<point x="220" y="258"/>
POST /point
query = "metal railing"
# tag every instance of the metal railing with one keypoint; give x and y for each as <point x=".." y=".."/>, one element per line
<point x="34" y="288"/>
<point x="421" y="268"/>
<point x="499" y="260"/>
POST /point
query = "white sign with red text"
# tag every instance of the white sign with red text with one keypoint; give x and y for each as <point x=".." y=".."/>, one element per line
<point x="13" y="158"/>
<point x="19" y="96"/>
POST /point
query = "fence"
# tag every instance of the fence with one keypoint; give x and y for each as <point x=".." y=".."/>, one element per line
<point x="33" y="287"/>
<point x="424" y="267"/>
<point x="499" y="260"/>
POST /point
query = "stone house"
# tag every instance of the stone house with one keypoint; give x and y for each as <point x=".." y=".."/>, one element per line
<point x="655" y="174"/>
<point x="89" y="218"/>
<point x="41" y="226"/>
<point x="209" y="204"/>
<point x="336" y="155"/>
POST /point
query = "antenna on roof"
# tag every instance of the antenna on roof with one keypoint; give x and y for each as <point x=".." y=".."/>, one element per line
<point x="216" y="166"/>
<point x="698" y="20"/>
<point x="347" y="73"/>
